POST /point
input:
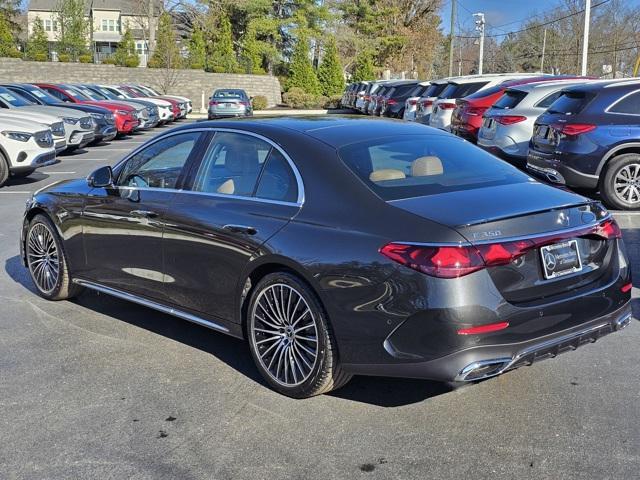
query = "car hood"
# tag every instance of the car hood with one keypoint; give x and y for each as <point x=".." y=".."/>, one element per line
<point x="23" y="125"/>
<point x="56" y="111"/>
<point x="27" y="115"/>
<point x="482" y="205"/>
<point x="112" y="105"/>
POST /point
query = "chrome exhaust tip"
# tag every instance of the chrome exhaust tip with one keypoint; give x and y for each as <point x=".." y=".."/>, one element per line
<point x="483" y="369"/>
<point x="623" y="321"/>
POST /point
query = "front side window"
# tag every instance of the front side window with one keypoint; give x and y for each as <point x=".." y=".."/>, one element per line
<point x="421" y="165"/>
<point x="232" y="164"/>
<point x="160" y="164"/>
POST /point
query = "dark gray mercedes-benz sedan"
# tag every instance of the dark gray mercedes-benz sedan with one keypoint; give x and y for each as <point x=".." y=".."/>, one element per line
<point x="339" y="246"/>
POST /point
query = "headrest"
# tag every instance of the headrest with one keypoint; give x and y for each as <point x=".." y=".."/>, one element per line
<point x="426" y="166"/>
<point x="227" y="187"/>
<point x="386" y="174"/>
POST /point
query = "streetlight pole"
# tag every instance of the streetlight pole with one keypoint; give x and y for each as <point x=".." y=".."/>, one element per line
<point x="544" y="47"/>
<point x="453" y="26"/>
<point x="585" y="38"/>
<point x="480" y="28"/>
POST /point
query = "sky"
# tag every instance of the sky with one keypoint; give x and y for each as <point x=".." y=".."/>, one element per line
<point x="499" y="12"/>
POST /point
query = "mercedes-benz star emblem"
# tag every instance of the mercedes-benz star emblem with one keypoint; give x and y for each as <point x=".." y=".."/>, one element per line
<point x="550" y="261"/>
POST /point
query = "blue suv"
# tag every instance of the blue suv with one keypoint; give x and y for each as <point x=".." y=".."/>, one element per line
<point x="589" y="138"/>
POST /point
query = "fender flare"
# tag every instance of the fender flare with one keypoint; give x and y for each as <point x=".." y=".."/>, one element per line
<point x="611" y="153"/>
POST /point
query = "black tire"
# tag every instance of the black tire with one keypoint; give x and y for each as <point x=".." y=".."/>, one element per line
<point x="317" y="376"/>
<point x="4" y="170"/>
<point x="614" y="171"/>
<point x="61" y="287"/>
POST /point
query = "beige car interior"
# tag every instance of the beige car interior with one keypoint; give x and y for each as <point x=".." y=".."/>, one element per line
<point x="420" y="167"/>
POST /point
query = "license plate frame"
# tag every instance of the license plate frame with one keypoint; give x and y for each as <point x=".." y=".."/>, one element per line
<point x="560" y="259"/>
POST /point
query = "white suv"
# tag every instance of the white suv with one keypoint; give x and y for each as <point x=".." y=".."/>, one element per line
<point x="24" y="146"/>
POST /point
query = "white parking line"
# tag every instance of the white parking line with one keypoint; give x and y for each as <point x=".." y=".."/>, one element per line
<point x="20" y="192"/>
<point x="57" y="173"/>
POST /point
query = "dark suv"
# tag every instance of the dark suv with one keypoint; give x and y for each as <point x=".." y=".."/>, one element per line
<point x="589" y="138"/>
<point x="393" y="102"/>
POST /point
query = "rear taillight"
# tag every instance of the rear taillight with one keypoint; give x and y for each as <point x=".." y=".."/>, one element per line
<point x="413" y="102"/>
<point x="457" y="261"/>
<point x="244" y="104"/>
<point x="367" y="97"/>
<point x="213" y="103"/>
<point x="491" y="327"/>
<point x="391" y="101"/>
<point x="509" y="119"/>
<point x="447" y="106"/>
<point x="573" y="129"/>
<point x="427" y="103"/>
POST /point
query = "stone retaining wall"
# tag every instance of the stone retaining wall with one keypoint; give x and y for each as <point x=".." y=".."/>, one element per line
<point x="191" y="83"/>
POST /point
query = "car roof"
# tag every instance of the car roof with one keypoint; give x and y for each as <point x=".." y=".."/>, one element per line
<point x="333" y="130"/>
<point x="550" y="85"/>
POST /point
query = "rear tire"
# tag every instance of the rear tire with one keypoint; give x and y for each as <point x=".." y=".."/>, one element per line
<point x="290" y="338"/>
<point x="620" y="185"/>
<point x="4" y="170"/>
<point x="47" y="261"/>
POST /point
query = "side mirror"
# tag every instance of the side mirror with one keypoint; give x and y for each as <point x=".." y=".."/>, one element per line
<point x="101" y="178"/>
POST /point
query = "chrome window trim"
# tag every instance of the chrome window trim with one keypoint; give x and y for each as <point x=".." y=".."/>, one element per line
<point x="608" y="109"/>
<point x="292" y="165"/>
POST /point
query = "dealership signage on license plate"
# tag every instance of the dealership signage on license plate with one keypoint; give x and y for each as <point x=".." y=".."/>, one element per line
<point x="560" y="259"/>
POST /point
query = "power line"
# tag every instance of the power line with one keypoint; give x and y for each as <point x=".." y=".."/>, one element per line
<point x="537" y="26"/>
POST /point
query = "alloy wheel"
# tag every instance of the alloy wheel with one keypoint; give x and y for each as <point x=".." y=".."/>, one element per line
<point x="43" y="258"/>
<point x="626" y="183"/>
<point x="284" y="333"/>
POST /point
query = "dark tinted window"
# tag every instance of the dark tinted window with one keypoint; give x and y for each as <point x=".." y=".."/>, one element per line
<point x="454" y="90"/>
<point x="629" y="104"/>
<point x="403" y="90"/>
<point x="570" y="103"/>
<point x="232" y="164"/>
<point x="56" y="94"/>
<point x="487" y="92"/>
<point x="420" y="165"/>
<point x="277" y="181"/>
<point x="25" y="94"/>
<point x="548" y="100"/>
<point x="7" y="96"/>
<point x="510" y="99"/>
<point x="229" y="94"/>
<point x="434" y="89"/>
<point x="160" y="164"/>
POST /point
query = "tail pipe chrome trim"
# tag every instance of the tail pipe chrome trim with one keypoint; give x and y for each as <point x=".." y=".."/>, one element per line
<point x="482" y="369"/>
<point x="151" y="304"/>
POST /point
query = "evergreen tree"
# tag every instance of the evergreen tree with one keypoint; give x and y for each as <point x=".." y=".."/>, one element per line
<point x="330" y="71"/>
<point x="197" y="48"/>
<point x="73" y="29"/>
<point x="251" y="50"/>
<point x="221" y="57"/>
<point x="7" y="41"/>
<point x="11" y="10"/>
<point x="166" y="53"/>
<point x="38" y="43"/>
<point x="301" y="72"/>
<point x="364" y="69"/>
<point x="126" y="49"/>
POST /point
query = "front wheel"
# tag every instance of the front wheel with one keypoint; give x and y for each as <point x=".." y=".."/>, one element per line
<point x="290" y="338"/>
<point x="47" y="261"/>
<point x="620" y="186"/>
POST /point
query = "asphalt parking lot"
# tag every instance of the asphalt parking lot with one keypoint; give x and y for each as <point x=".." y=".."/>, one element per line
<point x="98" y="388"/>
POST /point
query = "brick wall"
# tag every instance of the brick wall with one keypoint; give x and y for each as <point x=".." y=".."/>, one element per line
<point x="190" y="83"/>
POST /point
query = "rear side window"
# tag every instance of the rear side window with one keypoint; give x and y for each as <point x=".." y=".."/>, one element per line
<point x="421" y="165"/>
<point x="570" y="103"/>
<point x="548" y="100"/>
<point x="277" y="181"/>
<point x="454" y="90"/>
<point x="510" y="99"/>
<point x="629" y="105"/>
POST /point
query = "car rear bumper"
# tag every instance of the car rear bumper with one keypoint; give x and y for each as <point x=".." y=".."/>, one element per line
<point x="557" y="171"/>
<point x="481" y="362"/>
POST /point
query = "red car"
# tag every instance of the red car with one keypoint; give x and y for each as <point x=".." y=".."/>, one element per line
<point x="467" y="116"/>
<point x="125" y="115"/>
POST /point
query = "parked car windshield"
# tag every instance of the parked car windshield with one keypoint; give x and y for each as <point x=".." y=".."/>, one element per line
<point x="510" y="99"/>
<point x="421" y="165"/>
<point x="13" y="98"/>
<point x="44" y="96"/>
<point x="75" y="93"/>
<point x="91" y="94"/>
<point x="229" y="94"/>
<point x="455" y="90"/>
<point x="570" y="103"/>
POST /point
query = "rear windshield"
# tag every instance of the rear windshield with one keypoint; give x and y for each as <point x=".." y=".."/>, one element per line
<point x="403" y="90"/>
<point x="455" y="90"/>
<point x="417" y="91"/>
<point x="510" y="99"/>
<point x="434" y="90"/>
<point x="421" y="165"/>
<point x="570" y="103"/>
<point x="228" y="94"/>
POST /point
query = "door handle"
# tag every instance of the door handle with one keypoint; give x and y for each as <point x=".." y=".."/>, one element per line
<point x="240" y="229"/>
<point x="143" y="214"/>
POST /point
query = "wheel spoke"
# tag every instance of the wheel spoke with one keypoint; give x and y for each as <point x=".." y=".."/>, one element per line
<point x="306" y="339"/>
<point x="270" y="339"/>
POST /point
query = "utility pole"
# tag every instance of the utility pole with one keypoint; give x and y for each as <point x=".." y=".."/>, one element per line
<point x="544" y="47"/>
<point x="585" y="38"/>
<point x="451" y="31"/>
<point x="480" y="28"/>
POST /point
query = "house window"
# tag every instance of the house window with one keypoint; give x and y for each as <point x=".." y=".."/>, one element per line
<point x="104" y="26"/>
<point x="112" y="25"/>
<point x="142" y="48"/>
<point x="118" y="29"/>
<point x="47" y="25"/>
<point x="55" y="25"/>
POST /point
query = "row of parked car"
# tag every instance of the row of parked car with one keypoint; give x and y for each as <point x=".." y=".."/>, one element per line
<point x="38" y="121"/>
<point x="578" y="132"/>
